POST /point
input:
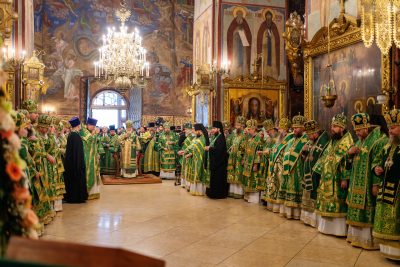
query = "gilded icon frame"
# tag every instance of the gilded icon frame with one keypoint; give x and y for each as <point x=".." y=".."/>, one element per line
<point x="342" y="33"/>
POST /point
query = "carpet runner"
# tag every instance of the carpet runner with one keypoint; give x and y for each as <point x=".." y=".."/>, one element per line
<point x="140" y="179"/>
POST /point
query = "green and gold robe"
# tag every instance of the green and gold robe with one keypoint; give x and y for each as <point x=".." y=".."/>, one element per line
<point x="266" y="148"/>
<point x="275" y="171"/>
<point x="90" y="147"/>
<point x="39" y="205"/>
<point x="387" y="212"/>
<point x="251" y="159"/>
<point x="235" y="166"/>
<point x="60" y="186"/>
<point x="39" y="154"/>
<point x="167" y="146"/>
<point x="331" y="198"/>
<point x="130" y="145"/>
<point x="196" y="161"/>
<point x="311" y="178"/>
<point x="152" y="157"/>
<point x="111" y="148"/>
<point x="52" y="172"/>
<point x="290" y="192"/>
<point x="184" y="161"/>
<point x="229" y="140"/>
<point x="104" y="140"/>
<point x="360" y="201"/>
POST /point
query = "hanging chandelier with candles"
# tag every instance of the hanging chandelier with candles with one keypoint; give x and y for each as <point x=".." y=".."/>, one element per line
<point x="380" y="21"/>
<point x="122" y="58"/>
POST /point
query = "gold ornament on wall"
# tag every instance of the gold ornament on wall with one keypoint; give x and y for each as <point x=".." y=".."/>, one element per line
<point x="7" y="18"/>
<point x="33" y="77"/>
<point x="294" y="37"/>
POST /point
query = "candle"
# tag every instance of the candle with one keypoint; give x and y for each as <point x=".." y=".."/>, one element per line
<point x="147" y="70"/>
<point x="4" y="54"/>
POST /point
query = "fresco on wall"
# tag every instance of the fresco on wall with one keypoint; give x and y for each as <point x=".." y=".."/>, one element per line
<point x="200" y="6"/>
<point x="319" y="13"/>
<point x="203" y="38"/>
<point x="251" y="32"/>
<point x="70" y="32"/>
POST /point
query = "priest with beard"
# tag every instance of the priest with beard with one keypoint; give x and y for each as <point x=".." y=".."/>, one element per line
<point x="386" y="230"/>
<point x="331" y="205"/>
<point x="218" y="162"/>
<point x="75" y="167"/>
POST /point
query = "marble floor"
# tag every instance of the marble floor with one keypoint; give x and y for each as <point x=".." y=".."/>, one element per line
<point x="164" y="221"/>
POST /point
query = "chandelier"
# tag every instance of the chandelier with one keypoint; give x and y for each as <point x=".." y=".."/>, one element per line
<point x="122" y="58"/>
<point x="380" y="21"/>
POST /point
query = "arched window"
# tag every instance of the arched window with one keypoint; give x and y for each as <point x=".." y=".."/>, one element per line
<point x="109" y="108"/>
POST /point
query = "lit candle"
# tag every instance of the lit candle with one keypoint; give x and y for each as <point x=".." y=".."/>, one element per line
<point x="147" y="70"/>
<point x="23" y="54"/>
<point x="4" y="54"/>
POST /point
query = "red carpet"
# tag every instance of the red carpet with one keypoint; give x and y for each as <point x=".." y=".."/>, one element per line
<point x="142" y="179"/>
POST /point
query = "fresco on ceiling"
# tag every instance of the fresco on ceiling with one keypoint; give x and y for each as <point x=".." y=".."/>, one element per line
<point x="70" y="32"/>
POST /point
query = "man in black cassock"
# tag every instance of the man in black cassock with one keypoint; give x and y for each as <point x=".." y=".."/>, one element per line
<point x="218" y="156"/>
<point x="75" y="168"/>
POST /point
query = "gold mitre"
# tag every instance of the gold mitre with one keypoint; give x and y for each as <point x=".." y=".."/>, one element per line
<point x="251" y="124"/>
<point x="268" y="125"/>
<point x="392" y="117"/>
<point x="311" y="127"/>
<point x="284" y="124"/>
<point x="298" y="121"/>
<point x="241" y="120"/>
<point x="340" y="120"/>
<point x="360" y="121"/>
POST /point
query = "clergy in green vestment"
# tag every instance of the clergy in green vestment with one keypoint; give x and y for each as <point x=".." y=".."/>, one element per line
<point x="195" y="154"/>
<point x="331" y="205"/>
<point x="229" y="135"/>
<point x="50" y="164"/>
<point x="290" y="192"/>
<point x="111" y="155"/>
<point x="39" y="156"/>
<point x="363" y="188"/>
<point x="151" y="155"/>
<point x="32" y="175"/>
<point x="251" y="163"/>
<point x="167" y="146"/>
<point x="104" y="139"/>
<point x="235" y="166"/>
<point x="275" y="168"/>
<point x="311" y="152"/>
<point x="90" y="147"/>
<point x="386" y="230"/>
<point x="59" y="166"/>
<point x="144" y="139"/>
<point x="189" y="136"/>
<point x="270" y="134"/>
<point x="130" y="147"/>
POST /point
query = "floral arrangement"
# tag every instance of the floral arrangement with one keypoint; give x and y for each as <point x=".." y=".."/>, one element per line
<point x="16" y="215"/>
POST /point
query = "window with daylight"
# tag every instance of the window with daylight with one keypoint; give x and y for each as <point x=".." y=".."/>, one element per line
<point x="109" y="108"/>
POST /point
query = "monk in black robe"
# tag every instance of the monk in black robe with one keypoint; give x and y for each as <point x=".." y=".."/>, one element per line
<point x="218" y="155"/>
<point x="75" y="168"/>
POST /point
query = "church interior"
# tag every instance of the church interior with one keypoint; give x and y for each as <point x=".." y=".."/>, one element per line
<point x="199" y="133"/>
